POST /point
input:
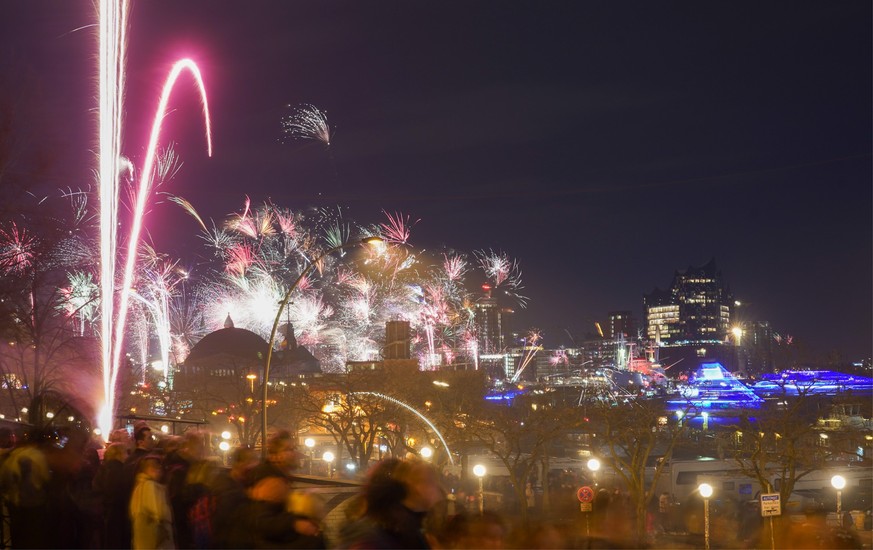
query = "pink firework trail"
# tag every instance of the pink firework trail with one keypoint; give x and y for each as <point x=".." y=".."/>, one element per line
<point x="112" y="45"/>
<point x="397" y="229"/>
<point x="455" y="267"/>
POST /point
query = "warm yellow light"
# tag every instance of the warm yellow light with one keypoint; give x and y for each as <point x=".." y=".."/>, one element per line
<point x="224" y="446"/>
<point x="426" y="452"/>
<point x="328" y="457"/>
<point x="705" y="490"/>
<point x="593" y="464"/>
<point x="838" y="482"/>
<point x="225" y="435"/>
<point x="309" y="442"/>
<point x="479" y="470"/>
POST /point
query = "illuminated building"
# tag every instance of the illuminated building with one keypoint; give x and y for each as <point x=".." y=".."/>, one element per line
<point x="488" y="319"/>
<point x="622" y="324"/>
<point x="696" y="310"/>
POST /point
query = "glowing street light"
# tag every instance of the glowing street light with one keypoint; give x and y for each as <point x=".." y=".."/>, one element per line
<point x="370" y="241"/>
<point x="738" y="335"/>
<point x="426" y="453"/>
<point x="328" y="458"/>
<point x="480" y="471"/>
<point x="310" y="444"/>
<point x="705" y="490"/>
<point x="838" y="482"/>
<point x="594" y="466"/>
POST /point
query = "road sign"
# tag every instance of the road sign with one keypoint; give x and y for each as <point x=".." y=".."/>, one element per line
<point x="585" y="494"/>
<point x="770" y="505"/>
<point x="586" y="506"/>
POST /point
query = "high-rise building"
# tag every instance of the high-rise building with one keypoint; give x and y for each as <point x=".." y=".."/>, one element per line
<point x="622" y="324"/>
<point x="488" y="320"/>
<point x="695" y="310"/>
<point x="397" y="341"/>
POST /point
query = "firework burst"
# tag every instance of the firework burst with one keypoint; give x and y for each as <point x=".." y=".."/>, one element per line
<point x="306" y="122"/>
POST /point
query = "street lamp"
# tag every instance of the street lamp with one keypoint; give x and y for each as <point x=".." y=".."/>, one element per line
<point x="594" y="465"/>
<point x="315" y="261"/>
<point x="310" y="444"/>
<point x="328" y="458"/>
<point x="426" y="453"/>
<point x="839" y="482"/>
<point x="479" y="471"/>
<point x="705" y="490"/>
<point x="251" y="378"/>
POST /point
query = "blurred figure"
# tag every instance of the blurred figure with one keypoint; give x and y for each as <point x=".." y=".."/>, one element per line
<point x="24" y="478"/>
<point x="143" y="444"/>
<point x="398" y="496"/>
<point x="271" y="525"/>
<point x="282" y="457"/>
<point x="229" y="490"/>
<point x="109" y="489"/>
<point x="188" y="477"/>
<point x="150" y="513"/>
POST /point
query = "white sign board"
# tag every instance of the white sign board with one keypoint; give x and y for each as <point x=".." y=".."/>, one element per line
<point x="770" y="505"/>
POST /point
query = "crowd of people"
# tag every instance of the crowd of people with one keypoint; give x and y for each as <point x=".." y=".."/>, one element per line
<point x="62" y="489"/>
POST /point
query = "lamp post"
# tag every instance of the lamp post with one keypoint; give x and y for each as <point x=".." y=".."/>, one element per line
<point x="839" y="482"/>
<point x="278" y="319"/>
<point x="705" y="490"/>
<point x="310" y="444"/>
<point x="738" y="343"/>
<point x="328" y="458"/>
<point x="594" y="465"/>
<point x="479" y="471"/>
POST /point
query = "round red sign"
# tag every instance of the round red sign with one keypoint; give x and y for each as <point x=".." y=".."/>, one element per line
<point x="585" y="494"/>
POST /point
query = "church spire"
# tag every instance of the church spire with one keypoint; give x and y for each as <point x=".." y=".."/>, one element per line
<point x="228" y="323"/>
<point x="290" y="340"/>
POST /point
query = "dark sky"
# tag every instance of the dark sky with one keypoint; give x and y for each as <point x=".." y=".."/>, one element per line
<point x="602" y="144"/>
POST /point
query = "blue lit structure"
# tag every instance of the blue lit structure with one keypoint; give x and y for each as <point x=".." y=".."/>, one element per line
<point x="712" y="388"/>
<point x="503" y="396"/>
<point x="812" y="382"/>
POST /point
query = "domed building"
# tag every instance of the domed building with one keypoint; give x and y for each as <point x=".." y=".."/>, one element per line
<point x="222" y="352"/>
<point x="222" y="377"/>
<point x="235" y="352"/>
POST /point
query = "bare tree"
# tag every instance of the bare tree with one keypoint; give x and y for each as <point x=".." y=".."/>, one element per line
<point x="632" y="432"/>
<point x="41" y="351"/>
<point x="520" y="434"/>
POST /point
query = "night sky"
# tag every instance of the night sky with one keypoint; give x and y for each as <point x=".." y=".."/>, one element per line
<point x="602" y="144"/>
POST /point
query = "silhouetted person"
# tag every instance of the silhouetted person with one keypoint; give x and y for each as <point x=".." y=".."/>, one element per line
<point x="282" y="457"/>
<point x="113" y="498"/>
<point x="229" y="490"/>
<point x="398" y="496"/>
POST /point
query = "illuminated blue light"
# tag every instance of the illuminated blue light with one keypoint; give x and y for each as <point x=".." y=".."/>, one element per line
<point x="506" y="396"/>
<point x="812" y="382"/>
<point x="714" y="388"/>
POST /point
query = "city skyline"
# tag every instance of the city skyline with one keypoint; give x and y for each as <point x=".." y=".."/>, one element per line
<point x="602" y="150"/>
